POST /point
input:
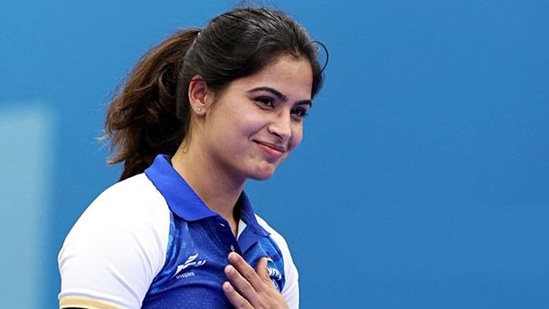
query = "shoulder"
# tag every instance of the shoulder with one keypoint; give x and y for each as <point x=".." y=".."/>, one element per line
<point x="291" y="287"/>
<point x="137" y="190"/>
<point x="275" y="235"/>
<point x="125" y="209"/>
<point x="128" y="202"/>
<point x="117" y="246"/>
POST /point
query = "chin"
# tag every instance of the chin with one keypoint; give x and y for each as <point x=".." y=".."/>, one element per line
<point x="262" y="174"/>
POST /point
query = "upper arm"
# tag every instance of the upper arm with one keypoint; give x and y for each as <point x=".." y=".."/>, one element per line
<point x="113" y="252"/>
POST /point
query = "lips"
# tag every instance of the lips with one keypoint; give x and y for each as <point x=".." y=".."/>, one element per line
<point x="273" y="150"/>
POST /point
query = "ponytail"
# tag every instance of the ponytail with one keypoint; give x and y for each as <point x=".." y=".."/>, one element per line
<point x="151" y="114"/>
<point x="142" y="119"/>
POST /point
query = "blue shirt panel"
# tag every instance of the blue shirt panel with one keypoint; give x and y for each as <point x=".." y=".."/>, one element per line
<point x="198" y="245"/>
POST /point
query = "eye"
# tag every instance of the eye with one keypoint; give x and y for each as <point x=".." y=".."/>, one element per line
<point x="300" y="112"/>
<point x="265" y="101"/>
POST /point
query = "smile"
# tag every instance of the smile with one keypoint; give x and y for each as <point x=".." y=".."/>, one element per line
<point x="272" y="150"/>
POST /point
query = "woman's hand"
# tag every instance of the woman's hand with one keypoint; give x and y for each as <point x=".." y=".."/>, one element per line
<point x="249" y="288"/>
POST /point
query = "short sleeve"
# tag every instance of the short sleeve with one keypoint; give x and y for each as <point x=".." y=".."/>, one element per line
<point x="116" y="248"/>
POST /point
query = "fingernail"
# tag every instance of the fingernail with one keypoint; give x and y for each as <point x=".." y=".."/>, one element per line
<point x="227" y="287"/>
<point x="232" y="257"/>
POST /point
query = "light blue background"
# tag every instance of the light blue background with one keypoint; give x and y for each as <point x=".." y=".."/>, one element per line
<point x="422" y="182"/>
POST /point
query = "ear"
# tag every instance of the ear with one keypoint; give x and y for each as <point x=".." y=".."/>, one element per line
<point x="200" y="96"/>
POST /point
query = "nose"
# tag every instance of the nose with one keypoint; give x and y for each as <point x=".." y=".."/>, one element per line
<point x="281" y="126"/>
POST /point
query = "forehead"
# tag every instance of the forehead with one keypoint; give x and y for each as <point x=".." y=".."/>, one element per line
<point x="289" y="75"/>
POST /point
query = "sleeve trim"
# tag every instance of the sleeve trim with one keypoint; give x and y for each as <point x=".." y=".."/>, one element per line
<point x="83" y="302"/>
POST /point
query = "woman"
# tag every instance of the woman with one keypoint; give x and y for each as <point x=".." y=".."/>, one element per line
<point x="200" y="114"/>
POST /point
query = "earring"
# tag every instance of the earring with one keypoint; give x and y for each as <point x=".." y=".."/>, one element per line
<point x="198" y="109"/>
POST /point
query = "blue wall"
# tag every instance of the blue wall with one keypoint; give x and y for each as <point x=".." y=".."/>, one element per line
<point x="423" y="179"/>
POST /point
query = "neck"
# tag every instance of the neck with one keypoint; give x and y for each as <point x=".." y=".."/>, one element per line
<point x="217" y="190"/>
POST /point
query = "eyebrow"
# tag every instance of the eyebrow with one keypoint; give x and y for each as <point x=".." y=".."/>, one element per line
<point x="279" y="95"/>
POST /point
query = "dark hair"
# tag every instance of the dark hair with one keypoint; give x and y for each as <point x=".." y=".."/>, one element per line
<point x="150" y="115"/>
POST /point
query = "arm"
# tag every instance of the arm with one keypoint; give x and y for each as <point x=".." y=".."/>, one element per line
<point x="114" y="250"/>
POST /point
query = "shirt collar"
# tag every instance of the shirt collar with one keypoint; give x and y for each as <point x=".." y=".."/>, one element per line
<point x="185" y="203"/>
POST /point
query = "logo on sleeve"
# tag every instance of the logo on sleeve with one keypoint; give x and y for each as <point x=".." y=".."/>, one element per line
<point x="186" y="269"/>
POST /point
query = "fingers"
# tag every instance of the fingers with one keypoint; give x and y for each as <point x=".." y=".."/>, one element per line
<point x="243" y="277"/>
<point x="236" y="299"/>
<point x="246" y="271"/>
<point x="262" y="270"/>
<point x="250" y="288"/>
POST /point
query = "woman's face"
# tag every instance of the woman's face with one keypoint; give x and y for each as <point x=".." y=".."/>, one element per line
<point x="257" y="120"/>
